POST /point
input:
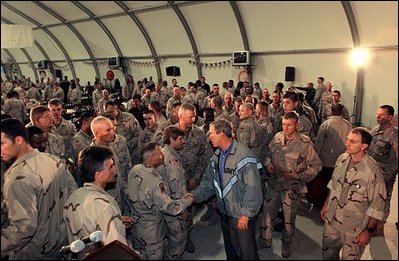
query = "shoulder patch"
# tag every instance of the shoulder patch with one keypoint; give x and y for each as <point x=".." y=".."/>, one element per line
<point x="173" y="162"/>
<point x="162" y="188"/>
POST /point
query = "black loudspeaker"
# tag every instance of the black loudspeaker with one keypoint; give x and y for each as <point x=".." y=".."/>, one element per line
<point x="289" y="74"/>
<point x="172" y="71"/>
<point x="58" y="74"/>
<point x="114" y="251"/>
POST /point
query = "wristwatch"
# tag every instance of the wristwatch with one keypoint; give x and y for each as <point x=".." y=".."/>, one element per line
<point x="371" y="230"/>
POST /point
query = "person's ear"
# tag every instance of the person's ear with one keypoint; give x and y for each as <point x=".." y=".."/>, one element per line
<point x="19" y="140"/>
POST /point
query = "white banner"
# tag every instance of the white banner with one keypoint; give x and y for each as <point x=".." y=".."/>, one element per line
<point x="16" y="36"/>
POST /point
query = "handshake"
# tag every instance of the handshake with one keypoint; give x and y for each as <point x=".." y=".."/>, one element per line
<point x="190" y="197"/>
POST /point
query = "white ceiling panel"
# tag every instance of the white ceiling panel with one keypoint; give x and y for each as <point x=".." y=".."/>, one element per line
<point x="295" y="25"/>
<point x="34" y="12"/>
<point x="70" y="41"/>
<point x="35" y="53"/>
<point x="66" y="9"/>
<point x="102" y="8"/>
<point x="95" y="37"/>
<point x="13" y="17"/>
<point x="18" y="54"/>
<point x="129" y="37"/>
<point x="50" y="47"/>
<point x="138" y="5"/>
<point x="377" y="22"/>
<point x="4" y="57"/>
<point x="218" y="33"/>
<point x="166" y="32"/>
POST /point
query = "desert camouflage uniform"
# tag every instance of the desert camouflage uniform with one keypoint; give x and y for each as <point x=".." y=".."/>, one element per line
<point x="75" y="96"/>
<point x="123" y="164"/>
<point x="80" y="141"/>
<point x="36" y="187"/>
<point x="145" y="101"/>
<point x="197" y="98"/>
<point x="169" y="105"/>
<point x="328" y="112"/>
<point x="268" y="130"/>
<point x="384" y="150"/>
<point x="91" y="208"/>
<point x="196" y="153"/>
<point x="275" y="116"/>
<point x="172" y="173"/>
<point x="299" y="156"/>
<point x="148" y="201"/>
<point x="33" y="93"/>
<point x="250" y="134"/>
<point x="148" y="136"/>
<point x="166" y="93"/>
<point x="127" y="91"/>
<point x="16" y="109"/>
<point x="97" y="96"/>
<point x="66" y="130"/>
<point x="55" y="145"/>
<point x="357" y="192"/>
<point x="128" y="127"/>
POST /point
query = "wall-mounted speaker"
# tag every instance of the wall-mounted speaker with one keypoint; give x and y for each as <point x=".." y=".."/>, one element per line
<point x="289" y="74"/>
<point x="58" y="74"/>
<point x="172" y="71"/>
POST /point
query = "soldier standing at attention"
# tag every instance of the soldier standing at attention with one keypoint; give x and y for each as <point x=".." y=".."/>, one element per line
<point x="384" y="150"/>
<point x="356" y="200"/>
<point x="291" y="162"/>
<point x="36" y="187"/>
<point x="62" y="127"/>
<point x="149" y="200"/>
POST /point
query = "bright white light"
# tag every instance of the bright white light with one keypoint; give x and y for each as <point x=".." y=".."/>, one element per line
<point x="359" y="57"/>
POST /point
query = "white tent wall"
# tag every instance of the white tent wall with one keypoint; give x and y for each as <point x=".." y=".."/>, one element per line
<point x="380" y="85"/>
<point x="84" y="71"/>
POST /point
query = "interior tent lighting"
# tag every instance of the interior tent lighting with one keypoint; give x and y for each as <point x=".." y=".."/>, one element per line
<point x="359" y="57"/>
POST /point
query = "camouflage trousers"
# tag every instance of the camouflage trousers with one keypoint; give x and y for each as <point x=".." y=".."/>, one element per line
<point x="288" y="200"/>
<point x="152" y="237"/>
<point x="177" y="234"/>
<point x="389" y="183"/>
<point x="334" y="241"/>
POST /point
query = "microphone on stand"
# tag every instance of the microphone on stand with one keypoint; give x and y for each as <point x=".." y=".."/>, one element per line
<point x="78" y="245"/>
<point x="75" y="247"/>
<point x="94" y="237"/>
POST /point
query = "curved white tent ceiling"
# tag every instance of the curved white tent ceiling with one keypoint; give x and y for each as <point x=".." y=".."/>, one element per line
<point x="200" y="36"/>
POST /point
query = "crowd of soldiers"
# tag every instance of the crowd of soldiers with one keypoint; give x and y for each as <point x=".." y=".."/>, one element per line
<point x="140" y="164"/>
